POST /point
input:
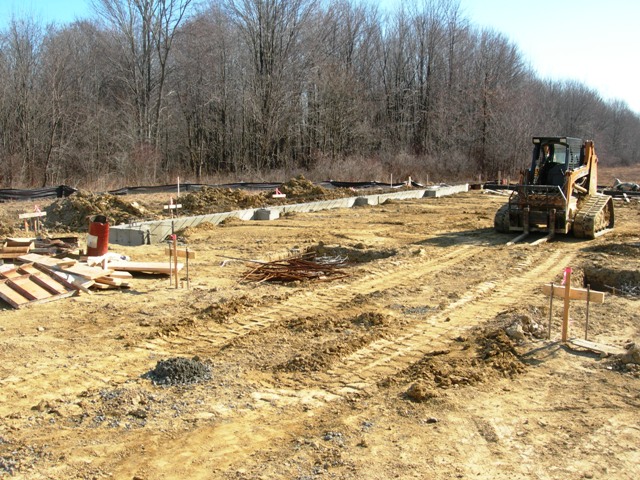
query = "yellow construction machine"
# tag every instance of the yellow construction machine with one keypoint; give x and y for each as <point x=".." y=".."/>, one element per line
<point x="558" y="193"/>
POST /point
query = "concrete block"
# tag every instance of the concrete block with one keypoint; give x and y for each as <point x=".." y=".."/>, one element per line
<point x="129" y="236"/>
<point x="266" y="214"/>
<point x="446" y="190"/>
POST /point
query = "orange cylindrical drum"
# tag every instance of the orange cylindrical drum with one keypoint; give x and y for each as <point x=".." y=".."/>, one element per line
<point x="98" y="238"/>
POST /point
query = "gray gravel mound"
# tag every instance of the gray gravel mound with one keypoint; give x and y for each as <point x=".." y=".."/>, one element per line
<point x="179" y="371"/>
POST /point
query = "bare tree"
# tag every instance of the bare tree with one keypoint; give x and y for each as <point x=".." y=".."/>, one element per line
<point x="145" y="31"/>
<point x="271" y="31"/>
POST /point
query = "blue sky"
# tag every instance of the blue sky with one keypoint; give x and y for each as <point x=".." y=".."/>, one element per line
<point x="593" y="41"/>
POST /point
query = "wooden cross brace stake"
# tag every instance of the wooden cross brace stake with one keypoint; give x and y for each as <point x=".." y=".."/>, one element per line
<point x="174" y="253"/>
<point x="571" y="293"/>
<point x="32" y="218"/>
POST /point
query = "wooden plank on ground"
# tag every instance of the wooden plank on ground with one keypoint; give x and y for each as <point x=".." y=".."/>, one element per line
<point x="116" y="282"/>
<point x="46" y="260"/>
<point x="574" y="293"/>
<point x="9" y="295"/>
<point x="86" y="271"/>
<point x="121" y="274"/>
<point x="45" y="281"/>
<point x="76" y="281"/>
<point x="27" y="287"/>
<point x="149" y="267"/>
<point x="10" y="256"/>
<point x="20" y="249"/>
<point x="597" y="347"/>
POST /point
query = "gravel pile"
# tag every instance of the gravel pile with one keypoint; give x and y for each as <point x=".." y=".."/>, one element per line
<point x="179" y="371"/>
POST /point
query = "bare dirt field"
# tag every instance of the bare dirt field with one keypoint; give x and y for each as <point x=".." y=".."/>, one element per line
<point x="428" y="360"/>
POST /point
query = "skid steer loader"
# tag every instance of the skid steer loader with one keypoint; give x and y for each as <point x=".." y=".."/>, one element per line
<point x="558" y="193"/>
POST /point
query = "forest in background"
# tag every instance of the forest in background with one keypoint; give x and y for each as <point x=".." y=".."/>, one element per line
<point x="148" y="90"/>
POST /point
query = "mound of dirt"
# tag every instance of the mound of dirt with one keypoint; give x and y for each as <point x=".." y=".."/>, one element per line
<point x="420" y="392"/>
<point x="179" y="371"/>
<point x="351" y="335"/>
<point x="198" y="229"/>
<point x="223" y="308"/>
<point x="358" y="253"/>
<point x="632" y="355"/>
<point x="217" y="200"/>
<point x="5" y="226"/>
<point x="301" y="188"/>
<point x="73" y="213"/>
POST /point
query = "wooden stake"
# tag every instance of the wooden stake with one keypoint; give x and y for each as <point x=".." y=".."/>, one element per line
<point x="170" y="266"/>
<point x="586" y="325"/>
<point x="175" y="258"/>
<point x="550" y="311"/>
<point x="567" y="301"/>
<point x="187" y="262"/>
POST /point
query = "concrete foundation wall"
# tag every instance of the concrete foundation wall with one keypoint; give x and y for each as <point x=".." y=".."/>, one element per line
<point x="144" y="233"/>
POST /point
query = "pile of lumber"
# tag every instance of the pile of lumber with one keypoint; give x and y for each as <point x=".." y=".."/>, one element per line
<point x="81" y="274"/>
<point x="297" y="269"/>
<point x="12" y="248"/>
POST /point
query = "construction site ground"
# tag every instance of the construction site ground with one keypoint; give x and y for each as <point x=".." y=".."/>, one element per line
<point x="428" y="360"/>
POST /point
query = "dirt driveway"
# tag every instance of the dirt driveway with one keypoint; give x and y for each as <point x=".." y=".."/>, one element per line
<point x="429" y="360"/>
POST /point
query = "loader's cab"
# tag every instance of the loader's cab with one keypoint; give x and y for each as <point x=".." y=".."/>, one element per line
<point x="552" y="158"/>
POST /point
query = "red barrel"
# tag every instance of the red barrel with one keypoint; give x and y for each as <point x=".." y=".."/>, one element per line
<point x="98" y="238"/>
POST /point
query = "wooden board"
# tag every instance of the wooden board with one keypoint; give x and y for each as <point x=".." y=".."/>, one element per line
<point x="597" y="347"/>
<point x="181" y="253"/>
<point x="32" y="215"/>
<point x="22" y="249"/>
<point x="12" y="249"/>
<point x="149" y="267"/>
<point x="51" y="284"/>
<point x="122" y="275"/>
<point x="574" y="293"/>
<point x="86" y="271"/>
<point x="46" y="260"/>
<point x="11" y="296"/>
<point x="114" y="282"/>
<point x="9" y="256"/>
<point x="23" y="242"/>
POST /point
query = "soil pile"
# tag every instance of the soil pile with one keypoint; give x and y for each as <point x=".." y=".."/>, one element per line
<point x="179" y="371"/>
<point x="5" y="226"/>
<point x="73" y="213"/>
<point x="301" y="188"/>
<point x="217" y="200"/>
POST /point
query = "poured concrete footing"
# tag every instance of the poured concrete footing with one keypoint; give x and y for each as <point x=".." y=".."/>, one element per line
<point x="146" y="233"/>
<point x="446" y="190"/>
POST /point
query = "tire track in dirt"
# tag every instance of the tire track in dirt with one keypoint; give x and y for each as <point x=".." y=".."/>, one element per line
<point x="312" y="303"/>
<point x="388" y="356"/>
<point x="362" y="370"/>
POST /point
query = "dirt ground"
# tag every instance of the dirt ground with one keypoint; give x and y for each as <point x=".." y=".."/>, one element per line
<point x="428" y="360"/>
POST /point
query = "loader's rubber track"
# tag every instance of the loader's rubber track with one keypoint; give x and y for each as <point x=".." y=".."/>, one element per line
<point x="501" y="220"/>
<point x="595" y="217"/>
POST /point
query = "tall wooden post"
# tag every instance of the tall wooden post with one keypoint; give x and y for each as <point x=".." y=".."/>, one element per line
<point x="567" y="300"/>
<point x="175" y="258"/>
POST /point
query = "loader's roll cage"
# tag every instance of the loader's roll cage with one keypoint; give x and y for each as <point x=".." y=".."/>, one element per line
<point x="565" y="153"/>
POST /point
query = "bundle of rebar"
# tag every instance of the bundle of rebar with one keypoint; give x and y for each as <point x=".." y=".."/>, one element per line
<point x="299" y="268"/>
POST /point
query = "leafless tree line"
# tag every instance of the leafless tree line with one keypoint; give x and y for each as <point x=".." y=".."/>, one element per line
<point x="150" y="89"/>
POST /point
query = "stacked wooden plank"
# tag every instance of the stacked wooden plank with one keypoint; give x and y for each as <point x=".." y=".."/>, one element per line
<point x="12" y="248"/>
<point x="80" y="273"/>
